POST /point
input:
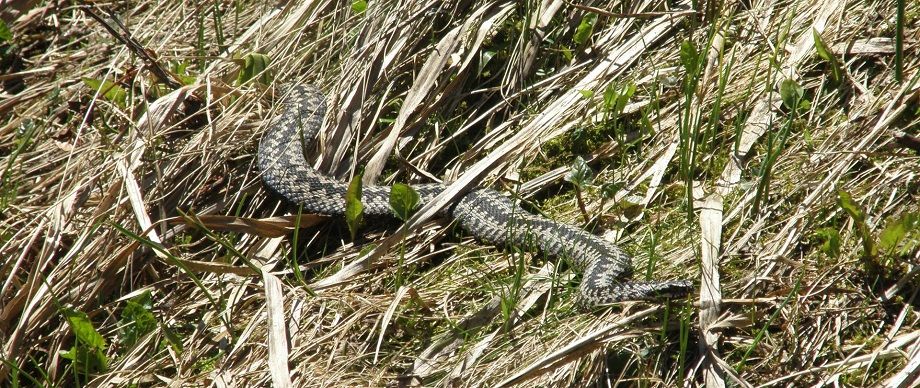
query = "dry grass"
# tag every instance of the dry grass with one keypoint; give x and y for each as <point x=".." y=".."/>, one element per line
<point x="714" y="179"/>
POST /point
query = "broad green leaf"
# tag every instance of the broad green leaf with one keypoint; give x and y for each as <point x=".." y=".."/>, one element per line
<point x="403" y="201"/>
<point x="580" y="173"/>
<point x="610" y="189"/>
<point x="87" y="352"/>
<point x="5" y="33"/>
<point x="109" y="91"/>
<point x="354" y="209"/>
<point x="136" y="319"/>
<point x="616" y="97"/>
<point x="896" y="230"/>
<point x="180" y="69"/>
<point x="255" y="65"/>
<point x="689" y="57"/>
<point x="830" y="241"/>
<point x="791" y="93"/>
<point x="610" y="96"/>
<point x="567" y="53"/>
<point x="86" y="361"/>
<point x="586" y="93"/>
<point x="825" y="53"/>
<point x="849" y="205"/>
<point x="358" y="6"/>
<point x="804" y="105"/>
<point x="625" y="95"/>
<point x="585" y="29"/>
<point x="83" y="329"/>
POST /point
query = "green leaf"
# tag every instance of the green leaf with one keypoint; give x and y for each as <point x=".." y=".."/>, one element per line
<point x="181" y="70"/>
<point x="567" y="53"/>
<point x="5" y="33"/>
<point x="86" y="361"/>
<point x="354" y="209"/>
<point x="403" y="201"/>
<point x="615" y="98"/>
<point x="830" y="241"/>
<point x="586" y="93"/>
<point x="646" y="123"/>
<point x="631" y="206"/>
<point x="358" y="6"/>
<point x="255" y="65"/>
<point x="689" y="57"/>
<point x="580" y="173"/>
<point x="136" y="319"/>
<point x="87" y="353"/>
<point x="83" y="329"/>
<point x="610" y="96"/>
<point x="791" y="93"/>
<point x="109" y="91"/>
<point x="804" y="105"/>
<point x="172" y="339"/>
<point x="896" y="230"/>
<point x="610" y="189"/>
<point x="585" y="29"/>
<point x="825" y="53"/>
<point x="849" y="205"/>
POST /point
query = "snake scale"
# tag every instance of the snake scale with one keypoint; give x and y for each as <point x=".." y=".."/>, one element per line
<point x="483" y="212"/>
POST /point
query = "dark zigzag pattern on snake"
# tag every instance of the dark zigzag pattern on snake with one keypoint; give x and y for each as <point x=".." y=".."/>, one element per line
<point x="483" y="212"/>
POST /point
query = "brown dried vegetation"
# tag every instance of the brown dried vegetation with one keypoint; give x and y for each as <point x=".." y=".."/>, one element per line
<point x="139" y="246"/>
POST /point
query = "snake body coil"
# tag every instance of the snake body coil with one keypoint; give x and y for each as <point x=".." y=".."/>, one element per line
<point x="483" y="212"/>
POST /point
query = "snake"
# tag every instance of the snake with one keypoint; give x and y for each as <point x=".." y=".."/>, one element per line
<point x="483" y="212"/>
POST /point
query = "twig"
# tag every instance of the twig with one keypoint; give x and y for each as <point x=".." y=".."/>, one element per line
<point x="581" y="204"/>
<point x="146" y="55"/>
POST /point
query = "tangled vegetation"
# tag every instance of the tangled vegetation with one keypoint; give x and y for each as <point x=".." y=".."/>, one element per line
<point x="768" y="151"/>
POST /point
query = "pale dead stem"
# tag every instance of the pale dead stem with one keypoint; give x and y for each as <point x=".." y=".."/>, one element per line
<point x="445" y="325"/>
